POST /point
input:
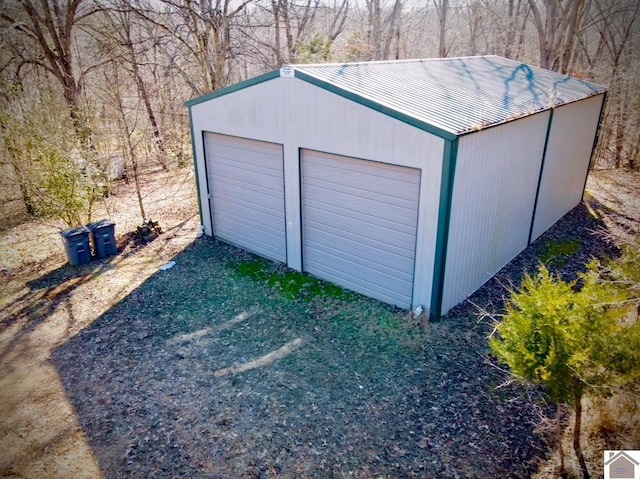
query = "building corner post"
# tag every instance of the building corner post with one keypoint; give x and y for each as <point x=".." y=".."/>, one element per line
<point x="449" y="158"/>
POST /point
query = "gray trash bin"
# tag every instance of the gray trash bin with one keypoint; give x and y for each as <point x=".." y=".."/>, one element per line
<point x="76" y="245"/>
<point x="103" y="238"/>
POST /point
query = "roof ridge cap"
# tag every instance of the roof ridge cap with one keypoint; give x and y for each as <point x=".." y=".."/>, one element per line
<point x="383" y="62"/>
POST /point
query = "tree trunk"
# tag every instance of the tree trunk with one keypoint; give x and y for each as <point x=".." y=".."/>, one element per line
<point x="16" y="161"/>
<point x="511" y="30"/>
<point x="127" y="132"/>
<point x="442" y="17"/>
<point x="52" y="28"/>
<point x="276" y="21"/>
<point x="620" y="132"/>
<point x="374" y="33"/>
<point x="634" y="164"/>
<point x="144" y="95"/>
<point x="393" y="21"/>
<point x="559" y="433"/>
<point x="291" y="46"/>
<point x="576" y="436"/>
<point x="136" y="179"/>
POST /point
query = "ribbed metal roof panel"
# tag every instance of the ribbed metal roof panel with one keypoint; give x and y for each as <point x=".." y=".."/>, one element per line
<point x="456" y="95"/>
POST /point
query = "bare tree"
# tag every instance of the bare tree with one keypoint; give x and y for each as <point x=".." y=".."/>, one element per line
<point x="49" y="28"/>
<point x="201" y="34"/>
<point x="516" y="22"/>
<point x="558" y="25"/>
<point x="118" y="32"/>
<point x="296" y="19"/>
<point x="382" y="27"/>
<point x="616" y="25"/>
<point x="127" y="119"/>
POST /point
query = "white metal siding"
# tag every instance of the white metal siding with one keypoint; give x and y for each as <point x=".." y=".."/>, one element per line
<point x="246" y="185"/>
<point x="359" y="224"/>
<point x="492" y="205"/>
<point x="296" y="114"/>
<point x="573" y="128"/>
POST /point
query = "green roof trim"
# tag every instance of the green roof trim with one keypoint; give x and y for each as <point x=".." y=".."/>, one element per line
<point x="544" y="157"/>
<point x="232" y="88"/>
<point x="449" y="158"/>
<point x="374" y="105"/>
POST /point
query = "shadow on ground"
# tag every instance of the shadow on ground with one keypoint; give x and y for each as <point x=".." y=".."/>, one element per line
<point x="206" y="371"/>
<point x="43" y="296"/>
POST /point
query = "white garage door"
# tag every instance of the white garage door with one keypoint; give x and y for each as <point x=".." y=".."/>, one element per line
<point x="359" y="224"/>
<point x="246" y="187"/>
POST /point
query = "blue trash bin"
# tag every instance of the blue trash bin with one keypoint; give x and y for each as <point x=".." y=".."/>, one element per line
<point x="76" y="245"/>
<point x="103" y="238"/>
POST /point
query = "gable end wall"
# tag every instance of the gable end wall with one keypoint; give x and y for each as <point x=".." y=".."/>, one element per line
<point x="297" y="115"/>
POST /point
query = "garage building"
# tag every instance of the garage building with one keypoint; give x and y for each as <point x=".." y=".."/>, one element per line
<point x="412" y="182"/>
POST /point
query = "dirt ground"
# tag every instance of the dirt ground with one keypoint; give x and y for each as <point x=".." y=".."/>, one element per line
<point x="45" y="302"/>
<point x="214" y="369"/>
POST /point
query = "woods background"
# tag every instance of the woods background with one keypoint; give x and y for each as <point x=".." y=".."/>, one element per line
<point x="93" y="91"/>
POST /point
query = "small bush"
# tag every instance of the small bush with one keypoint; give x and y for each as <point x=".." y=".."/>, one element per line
<point x="571" y="341"/>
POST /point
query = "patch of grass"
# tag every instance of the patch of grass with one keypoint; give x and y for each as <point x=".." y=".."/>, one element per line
<point x="387" y="322"/>
<point x="556" y="252"/>
<point x="292" y="284"/>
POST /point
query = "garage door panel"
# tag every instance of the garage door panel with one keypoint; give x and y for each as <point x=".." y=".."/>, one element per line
<point x="247" y="144"/>
<point x="251" y="244"/>
<point x="369" y="249"/>
<point x="395" y="190"/>
<point x="385" y="292"/>
<point x="247" y="172"/>
<point x="240" y="209"/>
<point x="379" y="214"/>
<point x="372" y="202"/>
<point x="259" y="154"/>
<point x="249" y="194"/>
<point x="262" y="165"/>
<point x="398" y="268"/>
<point x="242" y="233"/>
<point x="267" y="238"/>
<point x="329" y="234"/>
<point x="351" y="166"/>
<point x="359" y="224"/>
<point x="247" y="216"/>
<point x="246" y="185"/>
<point x="347" y="227"/>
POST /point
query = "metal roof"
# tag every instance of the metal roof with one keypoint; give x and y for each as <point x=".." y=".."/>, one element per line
<point x="450" y="95"/>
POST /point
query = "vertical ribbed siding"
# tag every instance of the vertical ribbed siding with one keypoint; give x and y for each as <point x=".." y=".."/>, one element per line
<point x="566" y="162"/>
<point x="493" y="197"/>
<point x="247" y="193"/>
<point x="359" y="224"/>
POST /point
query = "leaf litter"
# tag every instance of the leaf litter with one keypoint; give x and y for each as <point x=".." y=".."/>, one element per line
<point x="365" y="391"/>
<point x="201" y="372"/>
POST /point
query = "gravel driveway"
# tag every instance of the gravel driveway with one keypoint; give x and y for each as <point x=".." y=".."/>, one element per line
<point x="214" y="368"/>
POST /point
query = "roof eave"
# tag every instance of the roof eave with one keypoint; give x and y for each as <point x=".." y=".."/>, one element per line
<point x="477" y="128"/>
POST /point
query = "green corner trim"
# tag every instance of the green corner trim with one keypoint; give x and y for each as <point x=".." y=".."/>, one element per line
<point x="195" y="166"/>
<point x="447" y="135"/>
<point x="542" y="161"/>
<point x="449" y="158"/>
<point x="596" y="138"/>
<point x="232" y="88"/>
